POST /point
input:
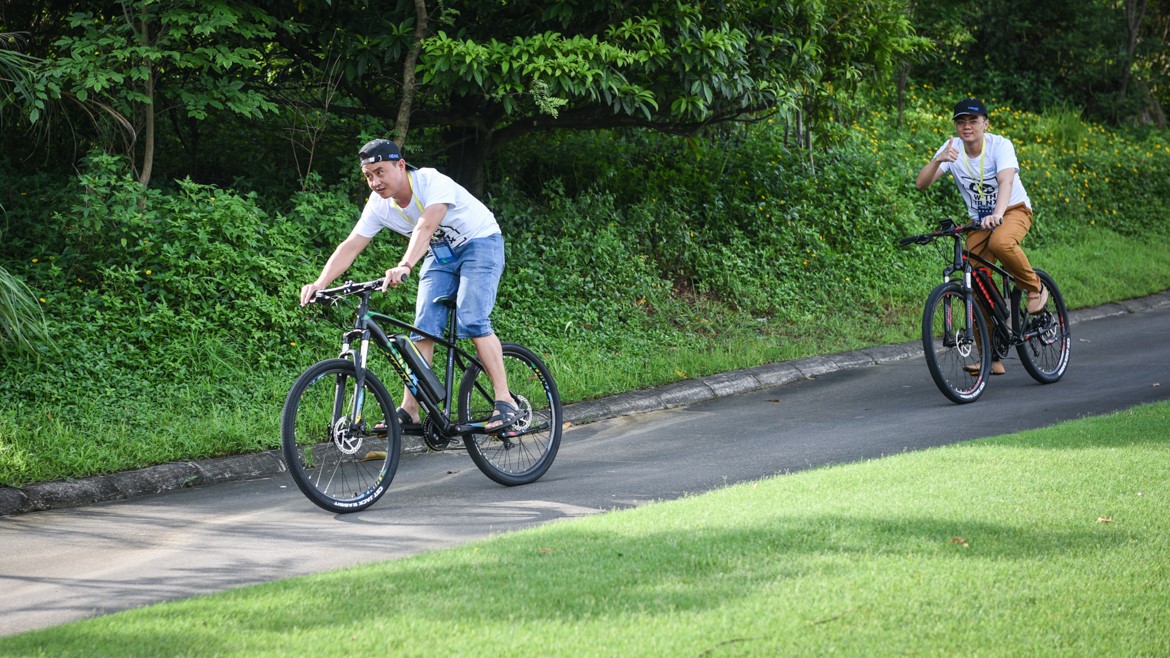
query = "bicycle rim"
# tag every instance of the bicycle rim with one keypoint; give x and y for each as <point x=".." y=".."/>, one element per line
<point x="958" y="365"/>
<point x="523" y="453"/>
<point x="340" y="463"/>
<point x="1045" y="355"/>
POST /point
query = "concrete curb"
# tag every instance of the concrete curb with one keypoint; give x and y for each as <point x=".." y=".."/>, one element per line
<point x="168" y="477"/>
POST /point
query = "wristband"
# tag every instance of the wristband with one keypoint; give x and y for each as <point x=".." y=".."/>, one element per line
<point x="403" y="263"/>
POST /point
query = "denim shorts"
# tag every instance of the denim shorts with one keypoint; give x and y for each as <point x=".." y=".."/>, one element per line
<point x="473" y="277"/>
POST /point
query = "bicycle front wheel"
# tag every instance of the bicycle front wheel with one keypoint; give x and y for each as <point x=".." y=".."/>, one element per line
<point x="1045" y="353"/>
<point x="340" y="462"/>
<point x="959" y="359"/>
<point x="523" y="453"/>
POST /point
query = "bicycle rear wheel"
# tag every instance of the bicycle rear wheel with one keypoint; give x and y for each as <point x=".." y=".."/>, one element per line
<point x="340" y="463"/>
<point x="959" y="365"/>
<point x="1045" y="355"/>
<point x="523" y="453"/>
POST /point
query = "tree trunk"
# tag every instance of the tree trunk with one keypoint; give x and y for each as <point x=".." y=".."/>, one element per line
<point x="467" y="150"/>
<point x="402" y="124"/>
<point x="1135" y="12"/>
<point x="148" y="137"/>
<point x="147" y="110"/>
<point x="903" y="80"/>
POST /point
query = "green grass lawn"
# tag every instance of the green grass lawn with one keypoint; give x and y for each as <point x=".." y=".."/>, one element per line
<point x="1047" y="542"/>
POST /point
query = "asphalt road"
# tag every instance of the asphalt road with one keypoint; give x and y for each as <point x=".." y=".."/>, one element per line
<point x="68" y="564"/>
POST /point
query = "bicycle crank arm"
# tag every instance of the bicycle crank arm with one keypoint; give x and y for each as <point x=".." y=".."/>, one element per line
<point x="478" y="428"/>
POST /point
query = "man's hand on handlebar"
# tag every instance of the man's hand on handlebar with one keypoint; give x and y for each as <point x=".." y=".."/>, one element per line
<point x="309" y="291"/>
<point x="395" y="276"/>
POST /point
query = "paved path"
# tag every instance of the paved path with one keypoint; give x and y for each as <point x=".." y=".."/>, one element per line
<point x="69" y="563"/>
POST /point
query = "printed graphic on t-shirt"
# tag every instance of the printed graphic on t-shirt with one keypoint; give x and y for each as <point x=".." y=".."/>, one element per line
<point x="449" y="234"/>
<point x="983" y="197"/>
<point x="980" y="195"/>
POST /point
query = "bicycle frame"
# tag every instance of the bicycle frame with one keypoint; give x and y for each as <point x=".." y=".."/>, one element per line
<point x="366" y="328"/>
<point x="979" y="286"/>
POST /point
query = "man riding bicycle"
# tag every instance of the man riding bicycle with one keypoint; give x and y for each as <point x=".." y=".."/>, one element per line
<point x="985" y="170"/>
<point x="459" y="243"/>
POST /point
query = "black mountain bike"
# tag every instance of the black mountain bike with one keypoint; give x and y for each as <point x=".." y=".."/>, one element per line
<point x="340" y="432"/>
<point x="958" y="343"/>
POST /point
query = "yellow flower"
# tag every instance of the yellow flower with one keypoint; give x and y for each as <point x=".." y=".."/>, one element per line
<point x="34" y="260"/>
<point x="148" y="272"/>
<point x="43" y="300"/>
<point x="294" y="343"/>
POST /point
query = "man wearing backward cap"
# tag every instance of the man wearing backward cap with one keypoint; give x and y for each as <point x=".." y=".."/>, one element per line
<point x="455" y="245"/>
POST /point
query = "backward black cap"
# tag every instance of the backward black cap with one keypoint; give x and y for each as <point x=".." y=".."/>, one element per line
<point x="377" y="150"/>
<point x="380" y="150"/>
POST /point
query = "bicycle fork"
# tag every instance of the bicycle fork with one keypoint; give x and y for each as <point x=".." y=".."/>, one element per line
<point x="953" y="338"/>
<point x="347" y="410"/>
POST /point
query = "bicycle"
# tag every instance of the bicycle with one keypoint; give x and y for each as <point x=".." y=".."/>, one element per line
<point x="343" y="451"/>
<point x="955" y="322"/>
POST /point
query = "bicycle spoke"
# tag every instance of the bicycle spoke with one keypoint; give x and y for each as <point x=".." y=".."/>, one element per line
<point x="1044" y="350"/>
<point x="524" y="452"/>
<point x="954" y="345"/>
<point x="341" y="464"/>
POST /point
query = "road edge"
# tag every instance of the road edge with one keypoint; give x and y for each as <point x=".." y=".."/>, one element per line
<point x="44" y="496"/>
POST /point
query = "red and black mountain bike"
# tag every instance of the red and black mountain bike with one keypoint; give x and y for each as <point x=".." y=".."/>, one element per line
<point x="969" y="319"/>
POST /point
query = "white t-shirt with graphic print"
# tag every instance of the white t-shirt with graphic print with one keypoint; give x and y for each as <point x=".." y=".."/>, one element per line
<point x="981" y="189"/>
<point x="467" y="218"/>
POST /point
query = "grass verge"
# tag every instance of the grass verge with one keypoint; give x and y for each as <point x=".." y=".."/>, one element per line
<point x="1047" y="542"/>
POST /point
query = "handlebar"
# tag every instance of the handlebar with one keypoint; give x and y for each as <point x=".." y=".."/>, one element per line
<point x="947" y="228"/>
<point x="350" y="288"/>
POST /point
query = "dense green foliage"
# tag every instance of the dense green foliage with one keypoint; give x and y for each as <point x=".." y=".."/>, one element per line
<point x="174" y="78"/>
<point x="1110" y="58"/>
<point x="632" y="261"/>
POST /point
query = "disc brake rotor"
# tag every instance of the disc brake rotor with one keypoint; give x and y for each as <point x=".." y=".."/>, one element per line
<point x="348" y="441"/>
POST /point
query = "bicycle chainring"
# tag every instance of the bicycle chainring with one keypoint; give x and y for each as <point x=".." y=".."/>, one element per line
<point x="434" y="439"/>
<point x="1001" y="343"/>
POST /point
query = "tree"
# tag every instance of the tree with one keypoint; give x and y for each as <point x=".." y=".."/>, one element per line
<point x="143" y="57"/>
<point x="491" y="72"/>
<point x="1101" y="55"/>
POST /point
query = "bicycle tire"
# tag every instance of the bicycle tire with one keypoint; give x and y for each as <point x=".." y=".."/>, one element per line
<point x="340" y="465"/>
<point x="525" y="452"/>
<point x="950" y="356"/>
<point x="1045" y="356"/>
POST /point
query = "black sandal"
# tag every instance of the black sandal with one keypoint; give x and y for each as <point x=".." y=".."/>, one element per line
<point x="403" y="417"/>
<point x="505" y="414"/>
<point x="404" y="422"/>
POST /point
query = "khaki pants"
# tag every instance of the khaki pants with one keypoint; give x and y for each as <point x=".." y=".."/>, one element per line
<point x="1003" y="245"/>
